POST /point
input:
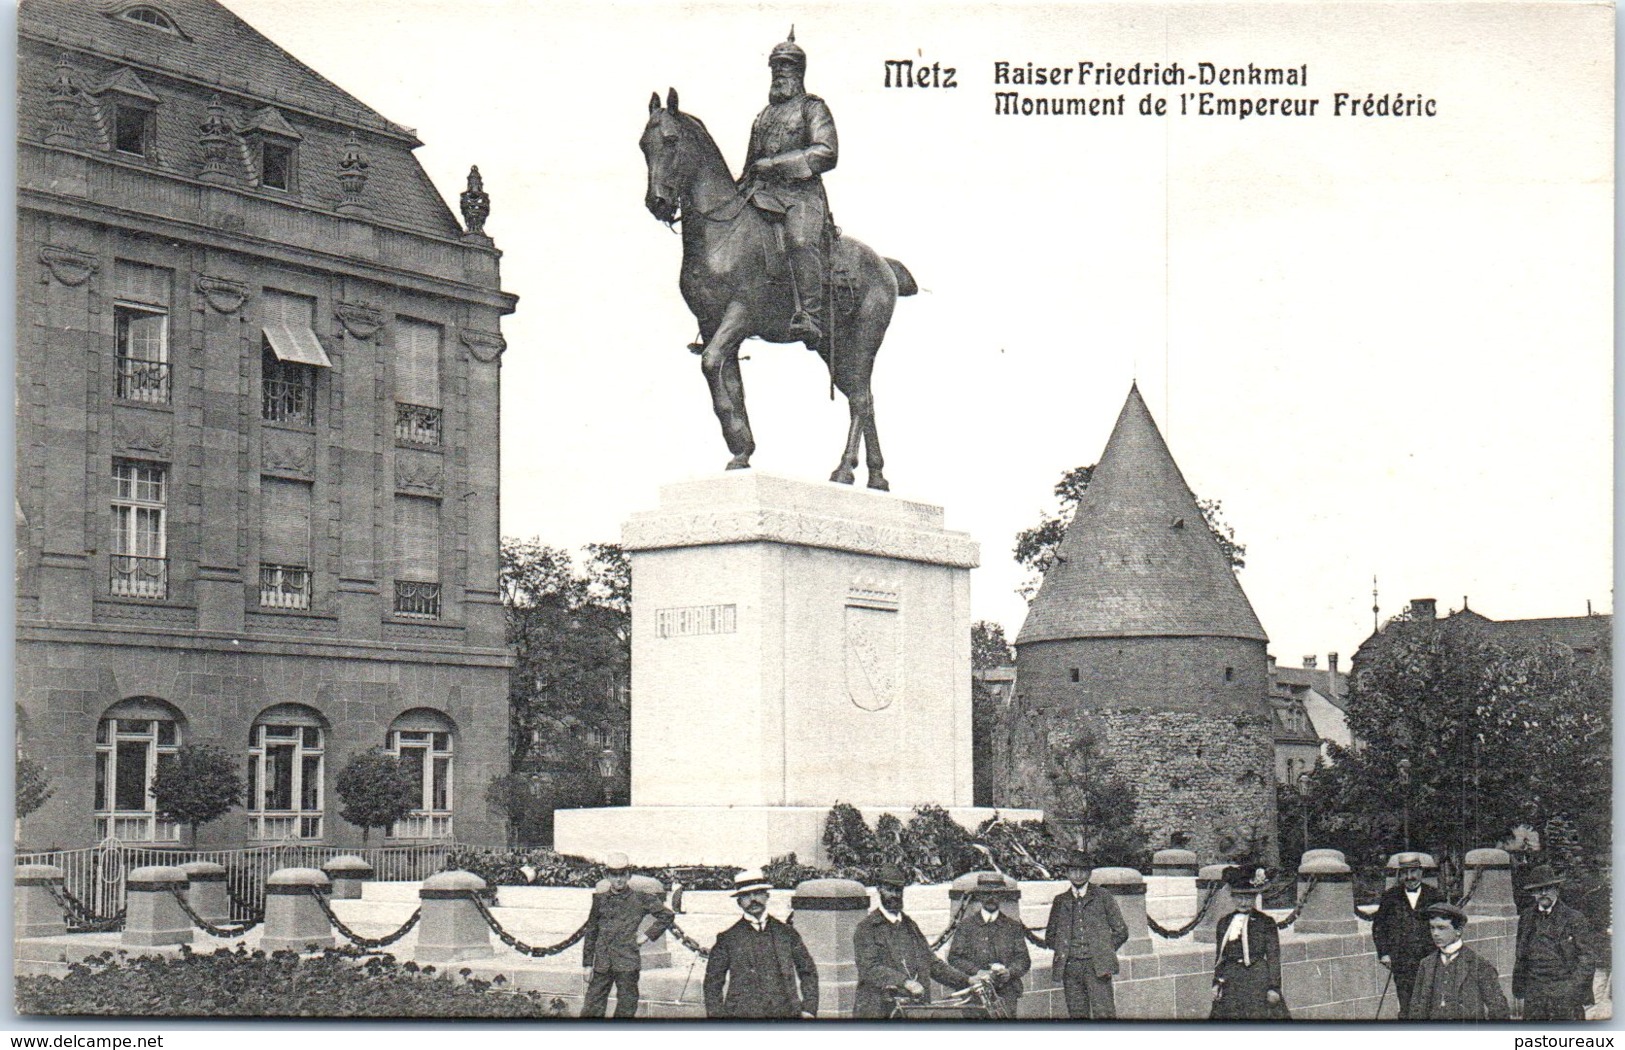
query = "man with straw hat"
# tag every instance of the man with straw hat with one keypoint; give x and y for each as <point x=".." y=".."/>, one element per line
<point x="759" y="967"/>
<point x="1400" y="927"/>
<point x="1552" y="974"/>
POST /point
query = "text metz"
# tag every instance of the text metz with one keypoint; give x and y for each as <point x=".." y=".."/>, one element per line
<point x="900" y="72"/>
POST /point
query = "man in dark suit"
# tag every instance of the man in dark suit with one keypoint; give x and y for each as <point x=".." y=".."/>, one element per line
<point x="991" y="946"/>
<point x="894" y="959"/>
<point x="1085" y="930"/>
<point x="759" y="967"/>
<point x="609" y="949"/>
<point x="1552" y="974"/>
<point x="1454" y="983"/>
<point x="1400" y="927"/>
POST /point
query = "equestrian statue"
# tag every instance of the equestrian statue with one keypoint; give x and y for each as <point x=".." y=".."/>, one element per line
<point x="761" y="256"/>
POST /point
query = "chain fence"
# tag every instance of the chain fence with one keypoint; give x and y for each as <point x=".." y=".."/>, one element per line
<point x="356" y="938"/>
<point x="231" y="931"/>
<point x="514" y="942"/>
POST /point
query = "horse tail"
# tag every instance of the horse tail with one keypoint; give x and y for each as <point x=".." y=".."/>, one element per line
<point x="905" y="280"/>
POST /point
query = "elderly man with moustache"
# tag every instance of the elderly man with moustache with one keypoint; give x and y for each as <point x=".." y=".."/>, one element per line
<point x="1552" y="974"/>
<point x="759" y="968"/>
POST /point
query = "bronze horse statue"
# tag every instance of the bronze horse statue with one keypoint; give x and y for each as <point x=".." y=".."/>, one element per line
<point x="728" y="282"/>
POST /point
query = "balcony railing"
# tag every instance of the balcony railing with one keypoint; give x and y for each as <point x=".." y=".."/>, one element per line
<point x="413" y="598"/>
<point x="418" y="424"/>
<point x="276" y="827"/>
<point x="284" y="587"/>
<point x="134" y="576"/>
<point x="143" y="380"/>
<point x="136" y="826"/>
<point x="288" y="400"/>
<point x="422" y="826"/>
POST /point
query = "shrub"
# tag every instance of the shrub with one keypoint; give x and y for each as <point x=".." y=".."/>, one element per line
<point x="786" y="873"/>
<point x="340" y="982"/>
<point x="375" y="791"/>
<point x="198" y="785"/>
<point x="33" y="786"/>
<point x="506" y="868"/>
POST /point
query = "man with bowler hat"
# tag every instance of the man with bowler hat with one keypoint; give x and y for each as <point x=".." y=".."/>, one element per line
<point x="1247" y="953"/>
<point x="1400" y="927"/>
<point x="1552" y="974"/>
<point x="1454" y="983"/>
<point x="992" y="946"/>
<point x="759" y="967"/>
<point x="1085" y="930"/>
<point x="609" y="948"/>
<point x="894" y="959"/>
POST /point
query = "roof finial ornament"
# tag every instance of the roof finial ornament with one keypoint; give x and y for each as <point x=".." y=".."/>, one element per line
<point x="63" y="104"/>
<point x="476" y="203"/>
<point x="215" y="140"/>
<point x="352" y="174"/>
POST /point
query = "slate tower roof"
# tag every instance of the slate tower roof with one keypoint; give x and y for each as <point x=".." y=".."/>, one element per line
<point x="1138" y="559"/>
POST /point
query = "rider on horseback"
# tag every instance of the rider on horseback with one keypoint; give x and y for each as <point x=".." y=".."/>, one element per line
<point x="792" y="143"/>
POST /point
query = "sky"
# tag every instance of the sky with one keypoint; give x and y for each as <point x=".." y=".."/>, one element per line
<point x="1384" y="343"/>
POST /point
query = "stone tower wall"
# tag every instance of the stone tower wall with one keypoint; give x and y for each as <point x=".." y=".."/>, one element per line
<point x="1184" y="719"/>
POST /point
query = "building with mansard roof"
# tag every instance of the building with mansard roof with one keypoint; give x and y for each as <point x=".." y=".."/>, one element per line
<point x="257" y="399"/>
<point x="1141" y="638"/>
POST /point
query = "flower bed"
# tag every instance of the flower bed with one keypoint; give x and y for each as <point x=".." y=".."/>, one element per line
<point x="339" y="982"/>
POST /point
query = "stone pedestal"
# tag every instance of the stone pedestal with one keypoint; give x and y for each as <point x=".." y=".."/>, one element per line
<point x="294" y="919"/>
<point x="1329" y="907"/>
<point x="452" y="928"/>
<point x="153" y="916"/>
<point x="1128" y="886"/>
<point x="34" y="910"/>
<point x="1488" y="882"/>
<point x="827" y="911"/>
<point x="794" y="644"/>
<point x="347" y="874"/>
<point x="206" y="891"/>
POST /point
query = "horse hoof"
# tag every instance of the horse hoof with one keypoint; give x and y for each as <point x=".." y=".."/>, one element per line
<point x="841" y="476"/>
<point x="879" y="483"/>
<point x="738" y="463"/>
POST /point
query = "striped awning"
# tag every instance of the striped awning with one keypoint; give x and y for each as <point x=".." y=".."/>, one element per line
<point x="297" y="344"/>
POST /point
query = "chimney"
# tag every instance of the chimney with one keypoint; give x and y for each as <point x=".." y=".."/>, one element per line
<point x="1311" y="662"/>
<point x="1424" y="608"/>
<point x="1331" y="662"/>
<point x="1331" y="668"/>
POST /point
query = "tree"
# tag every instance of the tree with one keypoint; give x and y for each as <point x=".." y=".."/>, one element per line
<point x="33" y="786"/>
<point x="1464" y="736"/>
<point x="1035" y="547"/>
<point x="1096" y="804"/>
<point x="198" y="785"/>
<point x="988" y="647"/>
<point x="375" y="790"/>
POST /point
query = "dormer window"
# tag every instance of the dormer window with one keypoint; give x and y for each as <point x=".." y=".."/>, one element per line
<point x="151" y="17"/>
<point x="276" y="166"/>
<point x="132" y="130"/>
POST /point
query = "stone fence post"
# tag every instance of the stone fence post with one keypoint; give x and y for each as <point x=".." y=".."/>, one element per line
<point x="1488" y="881"/>
<point x="294" y="920"/>
<point x="153" y="916"/>
<point x="452" y="928"/>
<point x="1329" y="906"/>
<point x="1180" y="863"/>
<point x="1210" y="883"/>
<point x="1128" y="887"/>
<point x="206" y="891"/>
<point x="827" y="911"/>
<point x="35" y="912"/>
<point x="1316" y="854"/>
<point x="347" y="873"/>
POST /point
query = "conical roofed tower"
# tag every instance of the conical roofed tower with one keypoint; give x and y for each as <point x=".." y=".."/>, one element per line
<point x="1141" y="653"/>
<point x="1138" y="559"/>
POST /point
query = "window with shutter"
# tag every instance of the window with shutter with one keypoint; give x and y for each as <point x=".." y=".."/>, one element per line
<point x="284" y="544"/>
<point x="417" y="546"/>
<point x="417" y="382"/>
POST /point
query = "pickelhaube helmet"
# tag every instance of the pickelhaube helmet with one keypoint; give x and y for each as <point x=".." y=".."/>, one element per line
<point x="788" y="50"/>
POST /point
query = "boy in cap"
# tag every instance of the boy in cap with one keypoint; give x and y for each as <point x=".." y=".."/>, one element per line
<point x="1552" y="974"/>
<point x="893" y="956"/>
<point x="1247" y="954"/>
<point x="1400" y="927"/>
<point x="992" y="946"/>
<point x="609" y="949"/>
<point x="759" y="967"/>
<point x="1454" y="983"/>
<point x="1085" y="930"/>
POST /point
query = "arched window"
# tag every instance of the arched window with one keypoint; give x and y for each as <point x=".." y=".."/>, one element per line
<point x="150" y="17"/>
<point x="286" y="749"/>
<point x="133" y="740"/>
<point x="422" y="740"/>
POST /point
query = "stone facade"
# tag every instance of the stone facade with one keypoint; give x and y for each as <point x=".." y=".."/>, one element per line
<point x="258" y="367"/>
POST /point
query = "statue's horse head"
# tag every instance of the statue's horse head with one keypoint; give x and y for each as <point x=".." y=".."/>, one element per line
<point x="667" y="159"/>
